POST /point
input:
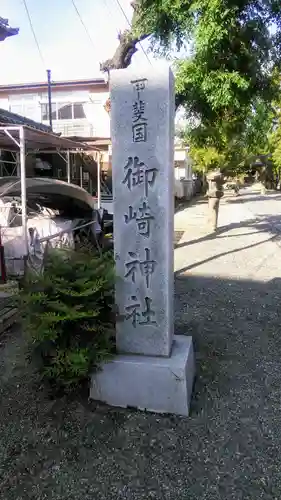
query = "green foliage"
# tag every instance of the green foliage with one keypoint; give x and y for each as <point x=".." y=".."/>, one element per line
<point x="233" y="48"/>
<point x="275" y="136"/>
<point x="207" y="158"/>
<point x="67" y="315"/>
<point x="276" y="144"/>
<point x="226" y="81"/>
<point x="231" y="148"/>
<point x="258" y="127"/>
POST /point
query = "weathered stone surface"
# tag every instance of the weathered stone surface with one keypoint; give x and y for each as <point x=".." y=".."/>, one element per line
<point x="162" y="385"/>
<point x="152" y="370"/>
<point x="142" y="131"/>
<point x="215" y="184"/>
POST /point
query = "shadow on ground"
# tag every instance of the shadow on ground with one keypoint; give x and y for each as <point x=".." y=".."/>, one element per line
<point x="229" y="448"/>
<point x="270" y="224"/>
<point x="181" y="204"/>
<point x="223" y="254"/>
<point x="250" y="197"/>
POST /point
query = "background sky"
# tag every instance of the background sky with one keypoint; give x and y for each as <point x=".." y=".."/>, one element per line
<point x="64" y="43"/>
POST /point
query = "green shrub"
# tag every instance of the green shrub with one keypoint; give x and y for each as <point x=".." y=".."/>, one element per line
<point x="68" y="316"/>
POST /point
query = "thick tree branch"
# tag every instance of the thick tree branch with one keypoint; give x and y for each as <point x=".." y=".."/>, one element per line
<point x="128" y="41"/>
<point x="124" y="52"/>
<point x="127" y="47"/>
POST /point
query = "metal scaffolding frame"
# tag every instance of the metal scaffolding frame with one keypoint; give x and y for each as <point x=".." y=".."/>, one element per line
<point x="15" y="163"/>
<point x="65" y="155"/>
<point x="18" y="138"/>
<point x="21" y="145"/>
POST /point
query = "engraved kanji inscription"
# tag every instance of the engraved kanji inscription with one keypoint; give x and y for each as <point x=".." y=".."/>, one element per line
<point x="148" y="313"/>
<point x="139" y="315"/>
<point x="137" y="173"/>
<point x="139" y="132"/>
<point x="138" y="111"/>
<point x="139" y="85"/>
<point x="139" y="126"/>
<point x="145" y="267"/>
<point x="143" y="218"/>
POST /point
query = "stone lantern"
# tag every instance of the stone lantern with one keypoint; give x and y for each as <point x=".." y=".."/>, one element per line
<point x="214" y="193"/>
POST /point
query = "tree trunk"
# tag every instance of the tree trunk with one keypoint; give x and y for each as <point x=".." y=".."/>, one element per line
<point x="128" y="41"/>
<point x="204" y="181"/>
<point x="123" y="55"/>
<point x="127" y="47"/>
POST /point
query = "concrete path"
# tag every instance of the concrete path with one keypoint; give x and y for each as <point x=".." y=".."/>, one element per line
<point x="246" y="244"/>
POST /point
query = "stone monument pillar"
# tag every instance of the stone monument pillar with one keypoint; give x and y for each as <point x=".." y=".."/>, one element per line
<point x="214" y="193"/>
<point x="154" y="370"/>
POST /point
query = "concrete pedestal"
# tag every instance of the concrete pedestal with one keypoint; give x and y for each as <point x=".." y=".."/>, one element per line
<point x="157" y="384"/>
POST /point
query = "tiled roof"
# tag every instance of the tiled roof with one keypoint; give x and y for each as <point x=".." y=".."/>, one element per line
<point x="8" y="118"/>
<point x="6" y="30"/>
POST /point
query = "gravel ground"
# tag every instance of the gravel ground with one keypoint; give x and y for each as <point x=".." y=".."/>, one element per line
<point x="229" y="447"/>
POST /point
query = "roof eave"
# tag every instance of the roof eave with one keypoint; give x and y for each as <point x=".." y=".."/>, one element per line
<point x="6" y="30"/>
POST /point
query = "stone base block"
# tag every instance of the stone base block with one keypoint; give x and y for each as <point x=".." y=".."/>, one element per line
<point x="161" y="385"/>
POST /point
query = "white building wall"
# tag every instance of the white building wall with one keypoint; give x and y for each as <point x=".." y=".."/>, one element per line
<point x="4" y="103"/>
<point x="95" y="123"/>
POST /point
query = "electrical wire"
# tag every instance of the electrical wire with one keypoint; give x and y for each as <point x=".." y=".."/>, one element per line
<point x="82" y="22"/>
<point x="110" y="14"/>
<point x="33" y="32"/>
<point x="124" y="13"/>
<point x="129" y="23"/>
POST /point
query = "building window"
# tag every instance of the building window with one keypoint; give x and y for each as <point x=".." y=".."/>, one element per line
<point x="16" y="108"/>
<point x="45" y="112"/>
<point x="78" y="111"/>
<point x="22" y="97"/>
<point x="27" y="109"/>
<point x="63" y="111"/>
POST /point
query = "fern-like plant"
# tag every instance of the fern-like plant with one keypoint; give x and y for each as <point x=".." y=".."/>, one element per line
<point x="67" y="314"/>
